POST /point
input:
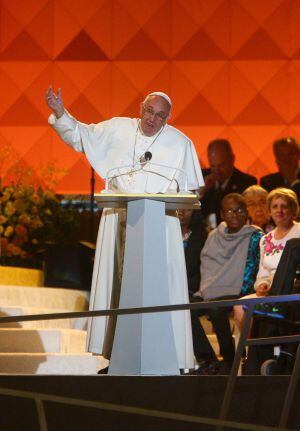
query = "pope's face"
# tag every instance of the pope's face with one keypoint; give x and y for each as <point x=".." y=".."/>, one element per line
<point x="154" y="113"/>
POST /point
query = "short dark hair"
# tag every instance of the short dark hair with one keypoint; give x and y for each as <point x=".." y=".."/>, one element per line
<point x="286" y="141"/>
<point x="223" y="143"/>
<point x="237" y="197"/>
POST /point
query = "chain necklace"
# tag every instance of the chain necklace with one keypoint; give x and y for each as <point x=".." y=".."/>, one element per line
<point x="135" y="140"/>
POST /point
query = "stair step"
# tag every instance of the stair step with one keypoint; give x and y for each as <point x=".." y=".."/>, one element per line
<point x="42" y="340"/>
<point x="44" y="297"/>
<point x="51" y="363"/>
<point x="80" y="323"/>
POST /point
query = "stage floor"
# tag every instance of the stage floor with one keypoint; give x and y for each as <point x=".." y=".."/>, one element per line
<point x="257" y="400"/>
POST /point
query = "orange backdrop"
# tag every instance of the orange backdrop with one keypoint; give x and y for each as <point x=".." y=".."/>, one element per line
<point x="232" y="68"/>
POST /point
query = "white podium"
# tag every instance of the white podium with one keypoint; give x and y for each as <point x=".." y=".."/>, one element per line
<point x="144" y="343"/>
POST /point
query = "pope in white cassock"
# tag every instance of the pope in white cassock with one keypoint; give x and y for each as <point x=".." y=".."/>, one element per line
<point x="108" y="146"/>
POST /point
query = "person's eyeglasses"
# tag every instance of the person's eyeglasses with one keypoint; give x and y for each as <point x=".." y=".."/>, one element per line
<point x="231" y="211"/>
<point x="159" y="115"/>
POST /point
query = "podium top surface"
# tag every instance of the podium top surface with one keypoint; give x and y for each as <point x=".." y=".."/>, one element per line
<point x="172" y="200"/>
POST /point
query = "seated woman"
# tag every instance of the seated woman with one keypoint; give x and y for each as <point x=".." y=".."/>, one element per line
<point x="256" y="201"/>
<point x="259" y="215"/>
<point x="229" y="263"/>
<point x="283" y="207"/>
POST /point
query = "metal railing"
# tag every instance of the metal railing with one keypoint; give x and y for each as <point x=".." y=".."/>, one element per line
<point x="220" y="423"/>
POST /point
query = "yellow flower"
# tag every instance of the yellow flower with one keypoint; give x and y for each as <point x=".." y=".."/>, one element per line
<point x="8" y="231"/>
<point x="3" y="219"/>
<point x="6" y="196"/>
<point x="35" y="198"/>
<point x="9" y="209"/>
<point x="1" y="230"/>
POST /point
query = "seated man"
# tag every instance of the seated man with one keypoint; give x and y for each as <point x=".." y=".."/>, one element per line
<point x="287" y="153"/>
<point x="229" y="264"/>
<point x="220" y="179"/>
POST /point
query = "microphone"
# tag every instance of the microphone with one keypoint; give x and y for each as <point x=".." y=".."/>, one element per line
<point x="145" y="157"/>
<point x="148" y="156"/>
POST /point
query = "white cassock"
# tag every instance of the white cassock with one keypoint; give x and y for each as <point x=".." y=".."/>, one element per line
<point x="112" y="144"/>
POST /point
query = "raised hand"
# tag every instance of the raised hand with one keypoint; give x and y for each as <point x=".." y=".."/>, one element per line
<point x="210" y="180"/>
<point x="55" y="102"/>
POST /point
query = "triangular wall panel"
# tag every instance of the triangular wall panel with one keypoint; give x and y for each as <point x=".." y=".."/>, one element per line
<point x="260" y="47"/>
<point x="231" y="67"/>
<point x="82" y="48"/>
<point x="41" y="28"/>
<point x="9" y="28"/>
<point x="142" y="47"/>
<point x="23" y="48"/>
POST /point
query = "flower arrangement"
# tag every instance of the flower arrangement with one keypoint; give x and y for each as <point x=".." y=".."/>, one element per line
<point x="30" y="213"/>
<point x="29" y="218"/>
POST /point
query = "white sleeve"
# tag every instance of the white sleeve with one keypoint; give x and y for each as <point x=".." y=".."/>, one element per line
<point x="192" y="168"/>
<point x="67" y="128"/>
<point x="76" y="134"/>
<point x="264" y="275"/>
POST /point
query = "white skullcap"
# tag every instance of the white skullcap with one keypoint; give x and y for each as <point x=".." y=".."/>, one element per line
<point x="161" y="94"/>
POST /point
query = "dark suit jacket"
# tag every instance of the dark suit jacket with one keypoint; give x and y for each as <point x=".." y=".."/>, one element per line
<point x="211" y="202"/>
<point x="272" y="181"/>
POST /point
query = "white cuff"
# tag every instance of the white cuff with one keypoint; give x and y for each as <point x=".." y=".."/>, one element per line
<point x="53" y="120"/>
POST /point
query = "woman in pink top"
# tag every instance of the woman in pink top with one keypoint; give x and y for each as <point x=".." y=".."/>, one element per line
<point x="283" y="207"/>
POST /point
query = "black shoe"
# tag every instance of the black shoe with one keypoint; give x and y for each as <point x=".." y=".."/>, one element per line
<point x="224" y="367"/>
<point x="207" y="368"/>
<point x="103" y="371"/>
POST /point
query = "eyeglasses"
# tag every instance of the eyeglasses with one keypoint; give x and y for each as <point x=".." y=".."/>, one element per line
<point x="231" y="211"/>
<point x="159" y="115"/>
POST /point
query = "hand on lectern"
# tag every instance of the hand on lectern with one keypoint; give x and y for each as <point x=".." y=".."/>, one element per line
<point x="55" y="102"/>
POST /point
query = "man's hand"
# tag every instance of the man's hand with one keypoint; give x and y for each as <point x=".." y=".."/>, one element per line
<point x="209" y="182"/>
<point x="55" y="102"/>
<point x="263" y="290"/>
